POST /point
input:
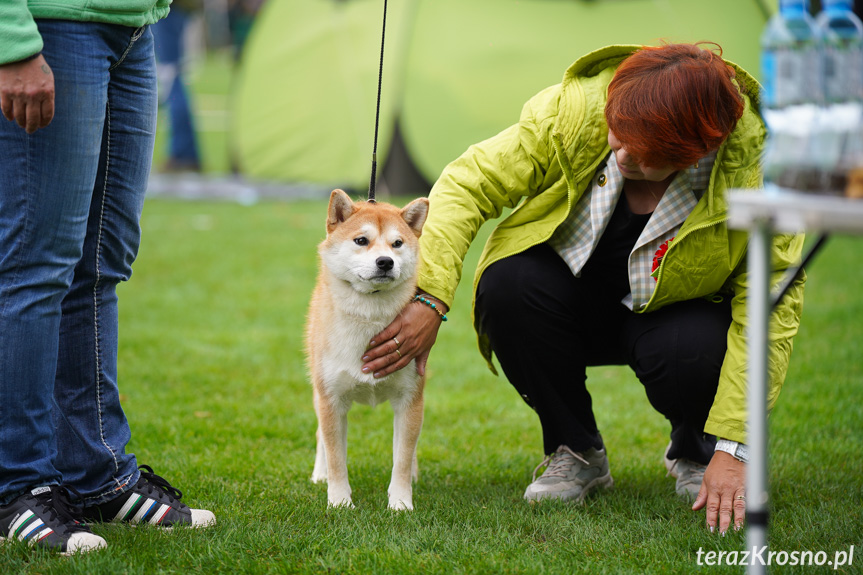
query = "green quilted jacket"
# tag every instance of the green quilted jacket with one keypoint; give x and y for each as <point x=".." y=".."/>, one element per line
<point x="542" y="165"/>
<point x="19" y="36"/>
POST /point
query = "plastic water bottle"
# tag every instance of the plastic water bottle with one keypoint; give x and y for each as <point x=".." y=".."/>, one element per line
<point x="792" y="81"/>
<point x="839" y="143"/>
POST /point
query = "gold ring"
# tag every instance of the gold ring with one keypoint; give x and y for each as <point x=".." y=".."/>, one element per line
<point x="400" y="353"/>
<point x="398" y="343"/>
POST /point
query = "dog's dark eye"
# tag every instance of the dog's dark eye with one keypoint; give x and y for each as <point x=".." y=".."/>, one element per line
<point x="361" y="241"/>
<point x="397" y="243"/>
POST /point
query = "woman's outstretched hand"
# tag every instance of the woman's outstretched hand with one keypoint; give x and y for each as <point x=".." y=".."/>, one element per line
<point x="723" y="493"/>
<point x="410" y="336"/>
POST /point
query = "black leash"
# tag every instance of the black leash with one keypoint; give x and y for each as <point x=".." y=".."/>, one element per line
<point x="378" y="110"/>
<point x="795" y="273"/>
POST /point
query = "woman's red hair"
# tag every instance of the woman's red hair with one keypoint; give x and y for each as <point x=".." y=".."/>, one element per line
<point x="673" y="104"/>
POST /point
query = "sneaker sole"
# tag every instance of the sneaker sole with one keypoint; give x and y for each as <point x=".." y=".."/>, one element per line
<point x="201" y="519"/>
<point x="603" y="481"/>
<point x="93" y="543"/>
<point x="686" y="495"/>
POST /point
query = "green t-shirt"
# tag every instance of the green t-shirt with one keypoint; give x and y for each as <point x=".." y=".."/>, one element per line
<point x="19" y="35"/>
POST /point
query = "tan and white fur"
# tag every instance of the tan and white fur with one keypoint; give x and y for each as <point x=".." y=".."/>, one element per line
<point x="367" y="274"/>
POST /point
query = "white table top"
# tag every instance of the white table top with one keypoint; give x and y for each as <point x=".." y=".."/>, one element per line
<point x="793" y="212"/>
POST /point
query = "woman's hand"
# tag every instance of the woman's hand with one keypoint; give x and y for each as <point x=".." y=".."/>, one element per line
<point x="27" y="93"/>
<point x="723" y="492"/>
<point x="411" y="335"/>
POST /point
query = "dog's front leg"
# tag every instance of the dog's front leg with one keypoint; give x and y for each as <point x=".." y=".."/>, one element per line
<point x="407" y="424"/>
<point x="319" y="473"/>
<point x="333" y="424"/>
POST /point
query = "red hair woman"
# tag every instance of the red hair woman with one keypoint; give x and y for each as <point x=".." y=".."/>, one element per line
<point x="617" y="253"/>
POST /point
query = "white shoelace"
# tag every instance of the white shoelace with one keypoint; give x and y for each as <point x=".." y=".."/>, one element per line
<point x="557" y="463"/>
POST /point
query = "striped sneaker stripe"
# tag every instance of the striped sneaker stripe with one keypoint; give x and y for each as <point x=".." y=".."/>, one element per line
<point x="20" y="523"/>
<point x="144" y="510"/>
<point x="127" y="508"/>
<point x="160" y="514"/>
<point x="31" y="530"/>
<point x="43" y="534"/>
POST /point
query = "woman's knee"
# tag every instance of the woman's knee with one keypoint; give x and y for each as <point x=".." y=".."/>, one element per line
<point x="678" y="354"/>
<point x="687" y="331"/>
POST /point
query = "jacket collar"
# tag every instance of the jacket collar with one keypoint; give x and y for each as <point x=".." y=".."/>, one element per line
<point x="583" y="132"/>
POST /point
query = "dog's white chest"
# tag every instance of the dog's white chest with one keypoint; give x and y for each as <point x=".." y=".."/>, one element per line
<point x="343" y="378"/>
<point x="392" y="388"/>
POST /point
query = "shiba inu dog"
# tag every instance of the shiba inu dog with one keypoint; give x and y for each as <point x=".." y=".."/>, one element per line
<point x="366" y="276"/>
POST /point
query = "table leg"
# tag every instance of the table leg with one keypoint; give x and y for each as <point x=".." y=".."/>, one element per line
<point x="758" y="313"/>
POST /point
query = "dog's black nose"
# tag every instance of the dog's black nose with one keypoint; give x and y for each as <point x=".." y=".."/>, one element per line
<point x="384" y="263"/>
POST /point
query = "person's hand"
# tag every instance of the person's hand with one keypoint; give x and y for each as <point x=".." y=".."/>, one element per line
<point x="27" y="93"/>
<point x="412" y="333"/>
<point x="723" y="492"/>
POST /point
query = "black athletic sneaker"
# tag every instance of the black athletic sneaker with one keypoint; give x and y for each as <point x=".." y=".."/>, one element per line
<point x="46" y="517"/>
<point x="152" y="500"/>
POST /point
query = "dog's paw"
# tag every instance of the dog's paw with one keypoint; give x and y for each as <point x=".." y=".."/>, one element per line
<point x="319" y="477"/>
<point x="344" y="503"/>
<point x="399" y="505"/>
<point x="337" y="497"/>
<point x="403" y="502"/>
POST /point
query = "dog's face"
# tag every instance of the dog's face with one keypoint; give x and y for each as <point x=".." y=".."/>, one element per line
<point x="372" y="246"/>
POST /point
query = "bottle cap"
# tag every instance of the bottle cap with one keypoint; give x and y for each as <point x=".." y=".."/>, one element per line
<point x="794" y="6"/>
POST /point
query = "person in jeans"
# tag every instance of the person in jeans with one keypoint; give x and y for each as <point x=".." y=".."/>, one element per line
<point x="169" y="35"/>
<point x="617" y="252"/>
<point x="78" y="93"/>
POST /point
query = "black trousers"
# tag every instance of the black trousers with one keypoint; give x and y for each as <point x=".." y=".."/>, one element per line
<point x="546" y="326"/>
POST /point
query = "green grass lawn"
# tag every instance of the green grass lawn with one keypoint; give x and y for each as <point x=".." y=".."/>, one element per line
<point x="214" y="384"/>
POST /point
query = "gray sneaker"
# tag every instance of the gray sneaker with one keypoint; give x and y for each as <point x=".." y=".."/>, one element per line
<point x="570" y="476"/>
<point x="689" y="475"/>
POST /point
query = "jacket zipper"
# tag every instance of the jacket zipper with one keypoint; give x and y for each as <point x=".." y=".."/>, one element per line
<point x="672" y="246"/>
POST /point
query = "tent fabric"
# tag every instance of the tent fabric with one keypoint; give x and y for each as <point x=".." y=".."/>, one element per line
<point x="455" y="72"/>
<point x="303" y="107"/>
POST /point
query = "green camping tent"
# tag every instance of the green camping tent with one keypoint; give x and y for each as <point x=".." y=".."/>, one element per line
<point x="455" y="72"/>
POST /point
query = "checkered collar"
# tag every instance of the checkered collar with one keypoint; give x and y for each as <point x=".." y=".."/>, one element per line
<point x="576" y="238"/>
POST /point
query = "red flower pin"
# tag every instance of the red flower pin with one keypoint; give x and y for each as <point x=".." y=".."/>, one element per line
<point x="657" y="259"/>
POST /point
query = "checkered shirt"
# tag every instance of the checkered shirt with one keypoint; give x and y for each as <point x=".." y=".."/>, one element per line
<point x="576" y="238"/>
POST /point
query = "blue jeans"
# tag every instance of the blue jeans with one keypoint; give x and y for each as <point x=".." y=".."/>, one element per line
<point x="169" y="36"/>
<point x="71" y="197"/>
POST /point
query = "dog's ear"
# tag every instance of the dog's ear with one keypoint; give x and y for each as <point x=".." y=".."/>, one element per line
<point x="415" y="214"/>
<point x="340" y="209"/>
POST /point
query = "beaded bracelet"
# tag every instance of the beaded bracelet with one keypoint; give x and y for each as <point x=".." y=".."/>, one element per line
<point x="431" y="304"/>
